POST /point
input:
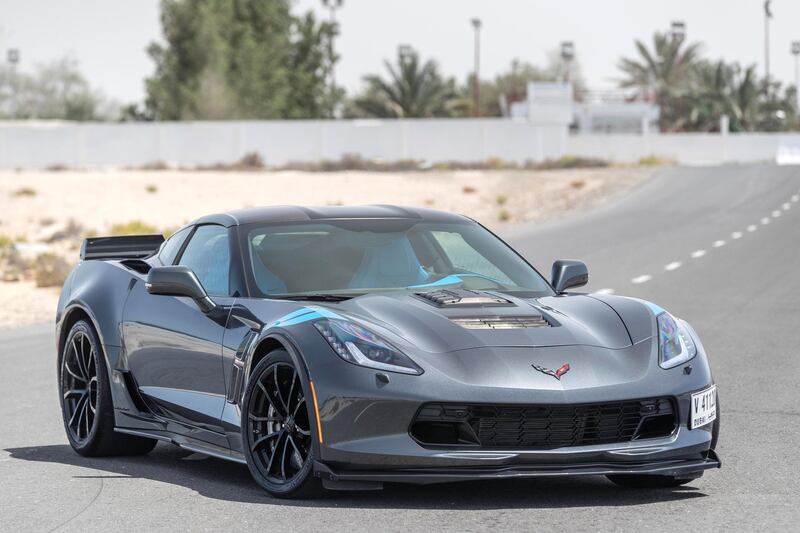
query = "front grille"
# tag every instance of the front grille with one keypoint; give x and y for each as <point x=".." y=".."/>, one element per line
<point x="502" y="322"/>
<point x="543" y="426"/>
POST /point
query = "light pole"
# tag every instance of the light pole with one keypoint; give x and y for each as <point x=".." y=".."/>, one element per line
<point x="332" y="6"/>
<point x="567" y="55"/>
<point x="678" y="30"/>
<point x="12" y="56"/>
<point x="476" y="81"/>
<point x="767" y="16"/>
<point x="796" y="54"/>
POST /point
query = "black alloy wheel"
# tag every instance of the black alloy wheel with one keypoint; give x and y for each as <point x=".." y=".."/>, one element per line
<point x="85" y="395"/>
<point x="277" y="427"/>
<point x="79" y="386"/>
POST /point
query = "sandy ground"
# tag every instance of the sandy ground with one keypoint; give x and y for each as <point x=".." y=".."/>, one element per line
<point x="34" y="206"/>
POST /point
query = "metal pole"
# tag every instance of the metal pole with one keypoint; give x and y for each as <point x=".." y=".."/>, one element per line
<point x="332" y="6"/>
<point x="476" y="91"/>
<point x="767" y="16"/>
<point x="12" y="56"/>
<point x="796" y="54"/>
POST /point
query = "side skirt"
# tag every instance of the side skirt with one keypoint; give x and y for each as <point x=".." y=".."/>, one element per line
<point x="188" y="444"/>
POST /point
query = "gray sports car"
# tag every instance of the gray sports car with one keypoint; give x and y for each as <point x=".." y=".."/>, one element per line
<point x="346" y="347"/>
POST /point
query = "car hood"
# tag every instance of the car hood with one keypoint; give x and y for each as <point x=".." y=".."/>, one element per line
<point x="413" y="320"/>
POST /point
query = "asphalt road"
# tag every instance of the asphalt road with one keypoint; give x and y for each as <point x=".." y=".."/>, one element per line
<point x="740" y="293"/>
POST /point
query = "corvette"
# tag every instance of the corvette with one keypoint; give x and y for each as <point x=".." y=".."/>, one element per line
<point x="347" y="347"/>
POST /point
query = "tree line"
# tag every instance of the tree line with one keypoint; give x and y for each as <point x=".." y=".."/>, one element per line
<point x="256" y="59"/>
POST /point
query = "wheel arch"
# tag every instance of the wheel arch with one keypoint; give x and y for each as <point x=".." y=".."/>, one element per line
<point x="269" y="342"/>
<point x="72" y="314"/>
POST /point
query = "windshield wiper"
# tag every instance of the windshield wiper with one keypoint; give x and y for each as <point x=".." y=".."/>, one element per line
<point x="314" y="297"/>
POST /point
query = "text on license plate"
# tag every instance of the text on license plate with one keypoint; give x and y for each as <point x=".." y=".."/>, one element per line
<point x="704" y="407"/>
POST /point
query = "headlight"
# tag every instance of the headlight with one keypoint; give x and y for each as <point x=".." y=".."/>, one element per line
<point x="675" y="343"/>
<point x="361" y="347"/>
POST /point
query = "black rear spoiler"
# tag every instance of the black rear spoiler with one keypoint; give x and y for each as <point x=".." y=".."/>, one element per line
<point x="128" y="247"/>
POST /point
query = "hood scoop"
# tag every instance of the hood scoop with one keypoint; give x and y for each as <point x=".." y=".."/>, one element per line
<point x="502" y="322"/>
<point x="463" y="298"/>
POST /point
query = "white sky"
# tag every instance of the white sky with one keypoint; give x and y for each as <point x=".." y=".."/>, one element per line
<point x="109" y="37"/>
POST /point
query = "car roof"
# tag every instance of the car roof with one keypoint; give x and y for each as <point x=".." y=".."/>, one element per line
<point x="292" y="213"/>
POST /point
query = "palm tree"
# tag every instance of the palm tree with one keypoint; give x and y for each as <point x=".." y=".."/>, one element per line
<point x="662" y="75"/>
<point x="413" y="89"/>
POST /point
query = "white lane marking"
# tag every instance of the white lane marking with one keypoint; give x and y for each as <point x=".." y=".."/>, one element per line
<point x="795" y="197"/>
<point x="776" y="214"/>
<point x="786" y="206"/>
<point x="605" y="291"/>
<point x="672" y="266"/>
<point x="765" y="221"/>
<point x="644" y="278"/>
<point x="719" y="243"/>
<point x="736" y="235"/>
<point x="698" y="253"/>
<point x="752" y="227"/>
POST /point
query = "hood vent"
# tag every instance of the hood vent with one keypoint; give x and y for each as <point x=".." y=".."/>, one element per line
<point x="502" y="322"/>
<point x="463" y="298"/>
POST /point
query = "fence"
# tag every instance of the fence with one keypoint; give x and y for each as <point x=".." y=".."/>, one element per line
<point x="43" y="144"/>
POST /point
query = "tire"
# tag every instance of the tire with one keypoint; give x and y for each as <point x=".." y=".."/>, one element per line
<point x="278" y="429"/>
<point x="644" y="481"/>
<point x="85" y="397"/>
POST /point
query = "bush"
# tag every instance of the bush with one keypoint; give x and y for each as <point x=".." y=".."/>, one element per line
<point x="468" y="189"/>
<point x="503" y="215"/>
<point x="152" y="189"/>
<point x="655" y="161"/>
<point x="134" y="227"/>
<point x="501" y="199"/>
<point x="568" y="161"/>
<point x="250" y="161"/>
<point x="24" y="191"/>
<point x="577" y="184"/>
<point x="50" y="270"/>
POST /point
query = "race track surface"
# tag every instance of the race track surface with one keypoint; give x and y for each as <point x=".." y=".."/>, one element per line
<point x="719" y="247"/>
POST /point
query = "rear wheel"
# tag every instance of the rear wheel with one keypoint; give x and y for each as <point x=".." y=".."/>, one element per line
<point x="276" y="429"/>
<point x="86" y="404"/>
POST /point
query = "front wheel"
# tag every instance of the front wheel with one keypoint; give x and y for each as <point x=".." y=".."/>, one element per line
<point x="277" y="429"/>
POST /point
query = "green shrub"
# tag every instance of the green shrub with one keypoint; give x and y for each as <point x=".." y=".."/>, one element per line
<point x="24" y="191"/>
<point x="152" y="189"/>
<point x="50" y="270"/>
<point x="134" y="227"/>
<point x="655" y="161"/>
<point x="503" y="215"/>
<point x="501" y="199"/>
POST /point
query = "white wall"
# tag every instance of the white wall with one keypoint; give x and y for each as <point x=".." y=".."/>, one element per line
<point x="32" y="145"/>
<point x="278" y="142"/>
<point x="686" y="148"/>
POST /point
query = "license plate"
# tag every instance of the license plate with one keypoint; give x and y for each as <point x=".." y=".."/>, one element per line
<point x="704" y="407"/>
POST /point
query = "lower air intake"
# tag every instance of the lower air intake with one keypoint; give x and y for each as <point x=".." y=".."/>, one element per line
<point x="543" y="426"/>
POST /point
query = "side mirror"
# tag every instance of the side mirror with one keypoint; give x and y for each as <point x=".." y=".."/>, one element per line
<point x="178" y="281"/>
<point x="568" y="273"/>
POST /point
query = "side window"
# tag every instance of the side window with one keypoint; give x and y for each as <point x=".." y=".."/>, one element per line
<point x="465" y="257"/>
<point x="208" y="255"/>
<point x="170" y="249"/>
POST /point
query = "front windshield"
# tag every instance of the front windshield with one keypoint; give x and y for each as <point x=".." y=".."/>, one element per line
<point x="356" y="256"/>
